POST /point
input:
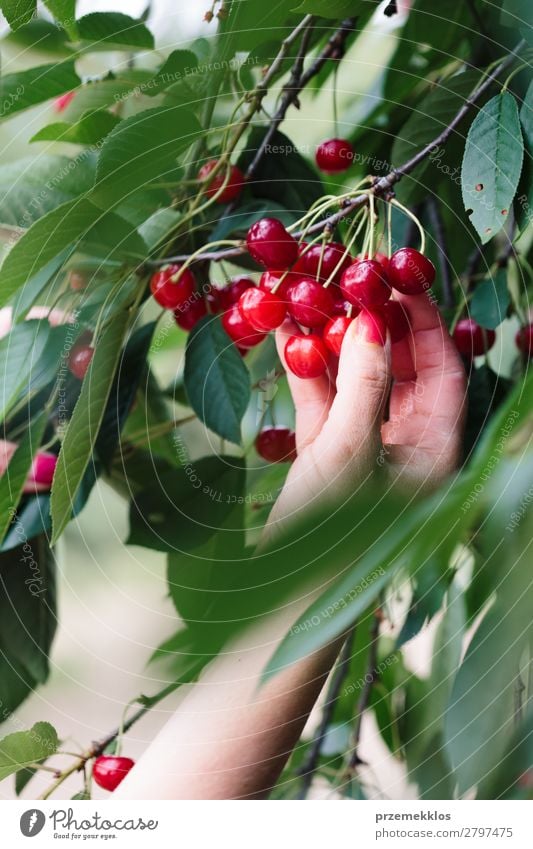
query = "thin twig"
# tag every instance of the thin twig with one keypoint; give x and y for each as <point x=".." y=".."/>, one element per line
<point x="435" y="217"/>
<point x="308" y="768"/>
<point x="370" y="679"/>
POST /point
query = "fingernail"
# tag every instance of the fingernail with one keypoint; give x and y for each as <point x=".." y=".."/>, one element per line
<point x="371" y="327"/>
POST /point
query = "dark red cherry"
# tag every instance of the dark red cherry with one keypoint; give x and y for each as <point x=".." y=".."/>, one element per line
<point x="231" y="293"/>
<point x="189" y="314"/>
<point x="410" y="272"/>
<point x="333" y="255"/>
<point x="80" y="359"/>
<point x="335" y="331"/>
<point x="234" y="184"/>
<point x="169" y="290"/>
<point x="41" y="473"/>
<point x="271" y="245"/>
<point x="397" y="319"/>
<point x="309" y="303"/>
<point x="110" y="770"/>
<point x="334" y="156"/>
<point x="239" y="329"/>
<point x="471" y="339"/>
<point x="371" y="327"/>
<point x="524" y="340"/>
<point x="365" y="284"/>
<point x="270" y="280"/>
<point x="263" y="310"/>
<point x="276" y="444"/>
<point x="381" y="258"/>
<point x="306" y="356"/>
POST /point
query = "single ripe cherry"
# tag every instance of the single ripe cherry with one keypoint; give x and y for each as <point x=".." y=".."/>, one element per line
<point x="80" y="359"/>
<point x="309" y="303"/>
<point x="231" y="293"/>
<point x="334" y="156"/>
<point x="240" y="330"/>
<point x="410" y="272"/>
<point x="233" y="184"/>
<point x="524" y="340"/>
<point x="397" y="319"/>
<point x="262" y="309"/>
<point x="335" y="331"/>
<point x="110" y="770"/>
<point x="306" y="356"/>
<point x="187" y="315"/>
<point x="271" y="245"/>
<point x="170" y="291"/>
<point x="326" y="259"/>
<point x="61" y="103"/>
<point x="365" y="284"/>
<point x="42" y="472"/>
<point x="276" y="444"/>
<point x="471" y="339"/>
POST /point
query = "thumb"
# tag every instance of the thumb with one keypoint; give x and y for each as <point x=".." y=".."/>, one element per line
<point x="352" y="433"/>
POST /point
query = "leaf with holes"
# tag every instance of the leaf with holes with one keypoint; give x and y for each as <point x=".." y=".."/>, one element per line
<point x="492" y="164"/>
<point x="216" y="380"/>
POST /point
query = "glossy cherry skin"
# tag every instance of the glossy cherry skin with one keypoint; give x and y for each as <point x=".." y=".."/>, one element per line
<point x="271" y="279"/>
<point x="365" y="284"/>
<point x="397" y="319"/>
<point x="335" y="331"/>
<point x="190" y="314"/>
<point x="333" y="255"/>
<point x="334" y="156"/>
<point x="80" y="359"/>
<point x="306" y="356"/>
<point x="239" y="330"/>
<point x="410" y="272"/>
<point x="230" y="294"/>
<point x="381" y="258"/>
<point x="261" y="309"/>
<point x="524" y="340"/>
<point x="234" y="184"/>
<point x="371" y="327"/>
<point x="309" y="303"/>
<point x="42" y="471"/>
<point x="110" y="770"/>
<point x="276" y="444"/>
<point x="169" y="291"/>
<point x="271" y="245"/>
<point x="471" y="339"/>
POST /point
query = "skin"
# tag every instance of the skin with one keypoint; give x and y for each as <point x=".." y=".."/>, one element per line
<point x="230" y="739"/>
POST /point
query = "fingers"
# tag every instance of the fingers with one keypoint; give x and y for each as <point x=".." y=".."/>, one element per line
<point x="312" y="398"/>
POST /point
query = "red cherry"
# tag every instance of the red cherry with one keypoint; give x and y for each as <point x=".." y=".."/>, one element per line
<point x="365" y="284"/>
<point x="334" y="156"/>
<point x="110" y="770"/>
<point x="397" y="319"/>
<point x="276" y="444"/>
<point x="231" y="293"/>
<point x="271" y="245"/>
<point x="341" y="307"/>
<point x="471" y="339"/>
<point x="333" y="255"/>
<point x="61" y="103"/>
<point x="306" y="356"/>
<point x="80" y="359"/>
<point x="169" y="291"/>
<point x="524" y="340"/>
<point x="187" y="315"/>
<point x="371" y="327"/>
<point x="335" y="331"/>
<point x="42" y="471"/>
<point x="262" y="309"/>
<point x="410" y="272"/>
<point x="270" y="279"/>
<point x="234" y="184"/>
<point x="239" y="329"/>
<point x="309" y="303"/>
<point x="381" y="258"/>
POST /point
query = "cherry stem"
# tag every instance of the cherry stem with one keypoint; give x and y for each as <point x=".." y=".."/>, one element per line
<point x="415" y="220"/>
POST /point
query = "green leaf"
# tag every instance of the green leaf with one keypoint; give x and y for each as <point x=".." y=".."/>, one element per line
<point x="48" y="237"/>
<point x="23" y="89"/>
<point x="114" y="30"/>
<point x="335" y="8"/>
<point x="84" y="425"/>
<point x="23" y="748"/>
<point x="216" y="380"/>
<point x="174" y="69"/>
<point x="247" y="214"/>
<point x="492" y="164"/>
<point x="250" y="23"/>
<point x="524" y="200"/>
<point x="20" y="352"/>
<point x="517" y="15"/>
<point x="90" y="129"/>
<point x="141" y="149"/>
<point x="12" y="481"/>
<point x="18" y="12"/>
<point x="491" y="300"/>
<point x="187" y="506"/>
<point x="64" y="11"/>
<point x="158" y="227"/>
